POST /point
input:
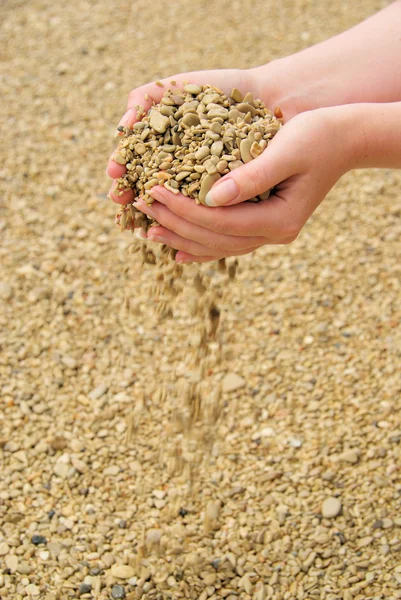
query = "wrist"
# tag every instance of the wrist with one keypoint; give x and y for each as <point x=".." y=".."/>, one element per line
<point x="369" y="135"/>
<point x="293" y="83"/>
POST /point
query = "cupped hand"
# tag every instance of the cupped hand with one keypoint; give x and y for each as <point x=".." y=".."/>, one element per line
<point x="303" y="162"/>
<point x="147" y="95"/>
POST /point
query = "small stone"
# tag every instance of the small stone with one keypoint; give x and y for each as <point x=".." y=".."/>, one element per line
<point x="351" y="456"/>
<point x="209" y="578"/>
<point x="191" y="88"/>
<point x="160" y="494"/>
<point x="98" y="392"/>
<point x="117" y="592"/>
<point x="158" y="121"/>
<point x="328" y="475"/>
<point x="85" y="588"/>
<point x="38" y="539"/>
<point x="79" y="465"/>
<point x="245" y="149"/>
<point x="58" y="443"/>
<point x="12" y="562"/>
<point x="207" y="183"/>
<point x="236" y="95"/>
<point x="331" y="508"/>
<point x="232" y="382"/>
<point x="62" y="470"/>
<point x="55" y="548"/>
<point x="378" y="524"/>
<point x="24" y="568"/>
<point x="387" y="523"/>
<point x="122" y="571"/>
<point x="212" y="510"/>
<point x="69" y="361"/>
<point x="4" y="548"/>
<point x="153" y="537"/>
<point x="202" y="153"/>
<point x="6" y="291"/>
<point x="366" y="541"/>
<point x="216" y="149"/>
<point x="190" y="120"/>
<point x="263" y="433"/>
<point x="112" y="470"/>
<point x="32" y="590"/>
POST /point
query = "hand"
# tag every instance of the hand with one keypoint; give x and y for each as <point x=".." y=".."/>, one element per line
<point x="271" y="83"/>
<point x="304" y="160"/>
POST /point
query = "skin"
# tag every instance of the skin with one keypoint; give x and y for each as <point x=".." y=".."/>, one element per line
<point x="336" y="92"/>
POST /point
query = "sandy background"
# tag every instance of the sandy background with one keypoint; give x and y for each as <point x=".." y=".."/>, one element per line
<point x="314" y="331"/>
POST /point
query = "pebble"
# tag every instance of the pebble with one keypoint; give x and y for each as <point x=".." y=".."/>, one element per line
<point x="331" y="508"/>
<point x="58" y="443"/>
<point x="202" y="153"/>
<point x="351" y="456"/>
<point x="69" y="362"/>
<point x="63" y="470"/>
<point x="79" y="465"/>
<point x="158" y="121"/>
<point x="55" y="548"/>
<point x="98" y="392"/>
<point x="117" y="591"/>
<point x="192" y="89"/>
<point x="6" y="290"/>
<point x="206" y="185"/>
<point x="160" y="494"/>
<point x="366" y="541"/>
<point x="32" y="590"/>
<point x="38" y="539"/>
<point x="4" y="548"/>
<point x="85" y="588"/>
<point x="153" y="536"/>
<point x="24" y="568"/>
<point x="122" y="571"/>
<point x="232" y="382"/>
<point x="12" y="562"/>
<point x="111" y="470"/>
<point x="245" y="149"/>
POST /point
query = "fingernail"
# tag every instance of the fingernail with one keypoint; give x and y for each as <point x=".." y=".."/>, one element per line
<point x="184" y="261"/>
<point x="139" y="233"/>
<point x="157" y="238"/>
<point x="222" y="193"/>
<point x="142" y="206"/>
<point x="125" y="118"/>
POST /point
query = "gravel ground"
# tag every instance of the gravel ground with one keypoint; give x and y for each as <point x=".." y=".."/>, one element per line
<point x="300" y="497"/>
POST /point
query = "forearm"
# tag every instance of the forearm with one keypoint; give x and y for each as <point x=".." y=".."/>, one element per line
<point x="373" y="134"/>
<point x="362" y="64"/>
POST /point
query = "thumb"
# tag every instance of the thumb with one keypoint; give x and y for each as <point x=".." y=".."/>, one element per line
<point x="256" y="177"/>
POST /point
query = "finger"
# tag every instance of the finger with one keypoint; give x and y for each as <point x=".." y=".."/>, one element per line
<point x="269" y="169"/>
<point x="189" y="231"/>
<point x="271" y="219"/>
<point x="114" y="170"/>
<point x="185" y="257"/>
<point x="171" y="239"/>
<point x="118" y="197"/>
<point x="224" y="79"/>
<point x="164" y="236"/>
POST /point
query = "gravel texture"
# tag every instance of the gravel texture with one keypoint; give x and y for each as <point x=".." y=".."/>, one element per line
<point x="300" y="497"/>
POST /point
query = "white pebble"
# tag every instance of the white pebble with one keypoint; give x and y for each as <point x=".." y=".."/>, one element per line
<point x="331" y="508"/>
